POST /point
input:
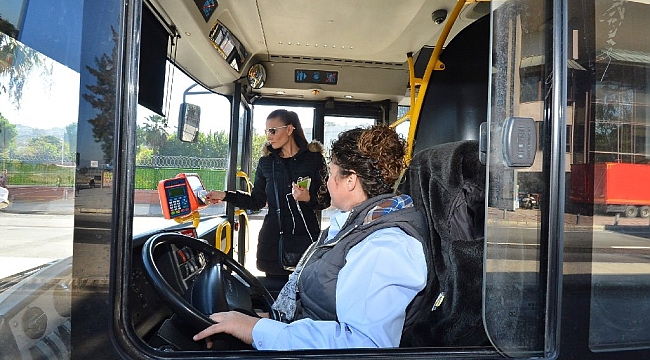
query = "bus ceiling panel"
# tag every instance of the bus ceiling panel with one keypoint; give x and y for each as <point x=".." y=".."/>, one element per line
<point x="354" y="83"/>
<point x="364" y="31"/>
<point x="340" y="29"/>
<point x="195" y="53"/>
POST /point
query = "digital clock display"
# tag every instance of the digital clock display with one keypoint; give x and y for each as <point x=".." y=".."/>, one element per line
<point x="316" y="76"/>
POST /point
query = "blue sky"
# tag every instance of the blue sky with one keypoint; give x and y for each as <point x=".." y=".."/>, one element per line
<point x="10" y="10"/>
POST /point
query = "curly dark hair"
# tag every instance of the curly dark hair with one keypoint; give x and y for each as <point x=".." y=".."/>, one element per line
<point x="375" y="154"/>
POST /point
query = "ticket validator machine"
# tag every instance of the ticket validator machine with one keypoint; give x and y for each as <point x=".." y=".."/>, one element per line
<point x="181" y="198"/>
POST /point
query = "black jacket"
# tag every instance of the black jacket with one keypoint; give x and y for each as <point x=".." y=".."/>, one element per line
<point x="309" y="161"/>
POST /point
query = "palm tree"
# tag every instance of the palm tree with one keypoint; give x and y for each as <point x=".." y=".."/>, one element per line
<point x="155" y="134"/>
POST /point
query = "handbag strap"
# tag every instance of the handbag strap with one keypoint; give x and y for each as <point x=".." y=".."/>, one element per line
<point x="277" y="198"/>
<point x="277" y="210"/>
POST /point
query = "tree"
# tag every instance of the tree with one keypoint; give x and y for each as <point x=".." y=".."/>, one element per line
<point x="143" y="156"/>
<point x="71" y="135"/>
<point x="154" y="133"/>
<point x="8" y="28"/>
<point x="44" y="147"/>
<point x="214" y="145"/>
<point x="18" y="61"/>
<point x="258" y="142"/>
<point x="8" y="135"/>
<point x="102" y="98"/>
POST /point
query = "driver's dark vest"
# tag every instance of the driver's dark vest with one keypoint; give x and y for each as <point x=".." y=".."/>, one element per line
<point x="318" y="278"/>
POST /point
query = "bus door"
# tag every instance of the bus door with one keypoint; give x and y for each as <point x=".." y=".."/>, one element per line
<point x="240" y="172"/>
<point x="525" y="132"/>
<point x="569" y="96"/>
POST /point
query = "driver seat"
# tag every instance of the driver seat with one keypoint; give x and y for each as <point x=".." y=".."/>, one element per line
<point x="447" y="184"/>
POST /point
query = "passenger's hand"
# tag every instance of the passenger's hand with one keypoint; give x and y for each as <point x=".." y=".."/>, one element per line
<point x="232" y="322"/>
<point x="299" y="193"/>
<point x="215" y="197"/>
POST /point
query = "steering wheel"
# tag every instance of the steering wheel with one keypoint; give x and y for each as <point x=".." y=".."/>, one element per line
<point x="214" y="289"/>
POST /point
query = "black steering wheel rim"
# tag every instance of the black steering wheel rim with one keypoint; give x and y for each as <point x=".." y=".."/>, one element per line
<point x="214" y="257"/>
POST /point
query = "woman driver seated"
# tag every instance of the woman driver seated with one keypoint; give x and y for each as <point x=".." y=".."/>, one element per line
<point x="353" y="286"/>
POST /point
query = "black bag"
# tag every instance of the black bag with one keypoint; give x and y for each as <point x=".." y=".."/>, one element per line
<point x="291" y="248"/>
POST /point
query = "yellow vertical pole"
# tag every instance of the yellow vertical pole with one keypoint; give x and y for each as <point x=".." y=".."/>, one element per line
<point x="433" y="64"/>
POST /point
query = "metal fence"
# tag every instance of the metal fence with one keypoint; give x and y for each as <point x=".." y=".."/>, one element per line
<point x="50" y="172"/>
<point x="148" y="177"/>
<point x="65" y="160"/>
<point x="189" y="162"/>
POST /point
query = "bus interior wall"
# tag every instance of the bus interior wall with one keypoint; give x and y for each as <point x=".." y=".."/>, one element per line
<point x="456" y="102"/>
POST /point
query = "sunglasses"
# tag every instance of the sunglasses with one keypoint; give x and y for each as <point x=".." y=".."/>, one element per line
<point x="273" y="130"/>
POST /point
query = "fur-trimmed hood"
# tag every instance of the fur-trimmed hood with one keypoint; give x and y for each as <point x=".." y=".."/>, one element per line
<point x="316" y="146"/>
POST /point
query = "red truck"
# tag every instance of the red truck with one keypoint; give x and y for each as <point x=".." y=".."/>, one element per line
<point x="613" y="187"/>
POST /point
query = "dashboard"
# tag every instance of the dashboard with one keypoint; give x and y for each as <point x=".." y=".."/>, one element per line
<point x="35" y="313"/>
<point x="35" y="308"/>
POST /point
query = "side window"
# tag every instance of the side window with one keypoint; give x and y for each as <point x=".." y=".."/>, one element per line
<point x="616" y="160"/>
<point x="38" y="135"/>
<point x="597" y="152"/>
<point x="40" y="181"/>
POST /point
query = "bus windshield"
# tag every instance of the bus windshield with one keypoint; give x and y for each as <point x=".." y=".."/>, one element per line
<point x="149" y="155"/>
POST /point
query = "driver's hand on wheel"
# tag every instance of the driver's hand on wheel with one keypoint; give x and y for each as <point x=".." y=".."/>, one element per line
<point x="232" y="322"/>
<point x="215" y="197"/>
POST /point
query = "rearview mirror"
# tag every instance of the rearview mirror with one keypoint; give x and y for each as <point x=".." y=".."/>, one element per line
<point x="188" y="122"/>
<point x="256" y="76"/>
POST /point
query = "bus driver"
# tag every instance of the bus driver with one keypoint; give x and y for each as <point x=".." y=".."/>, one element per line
<point x="352" y="287"/>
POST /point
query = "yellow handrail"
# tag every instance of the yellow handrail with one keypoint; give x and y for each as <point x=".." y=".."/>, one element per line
<point x="242" y="174"/>
<point x="239" y="212"/>
<point x="224" y="226"/>
<point x="433" y="64"/>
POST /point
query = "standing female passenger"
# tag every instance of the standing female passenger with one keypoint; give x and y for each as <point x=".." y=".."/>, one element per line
<point x="287" y="157"/>
<point x="353" y="287"/>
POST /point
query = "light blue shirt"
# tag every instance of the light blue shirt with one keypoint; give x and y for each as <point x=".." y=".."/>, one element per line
<point x="382" y="275"/>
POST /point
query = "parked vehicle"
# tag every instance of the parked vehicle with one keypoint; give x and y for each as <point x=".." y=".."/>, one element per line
<point x="529" y="201"/>
<point x="614" y="187"/>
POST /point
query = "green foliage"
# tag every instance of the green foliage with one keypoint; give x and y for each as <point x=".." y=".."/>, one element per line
<point x="18" y="61"/>
<point x="259" y="141"/>
<point x="8" y="135"/>
<point x="147" y="178"/>
<point x="143" y="155"/>
<point x="19" y="173"/>
<point x="45" y="146"/>
<point x="71" y="136"/>
<point x="207" y="145"/>
<point x="153" y="133"/>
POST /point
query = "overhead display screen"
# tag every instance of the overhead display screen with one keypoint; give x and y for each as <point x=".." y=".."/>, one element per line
<point x="207" y="7"/>
<point x="228" y="46"/>
<point x="316" y="76"/>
